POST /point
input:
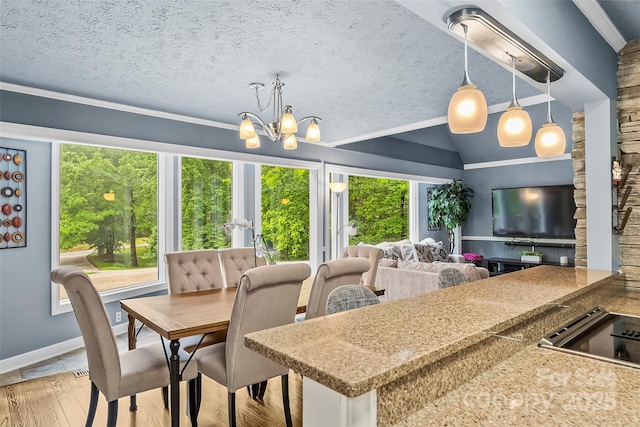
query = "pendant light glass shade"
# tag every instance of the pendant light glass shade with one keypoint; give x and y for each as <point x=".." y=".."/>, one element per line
<point x="467" y="111"/>
<point x="514" y="127"/>
<point x="288" y="122"/>
<point x="550" y="141"/>
<point x="550" y="138"/>
<point x="252" y="142"/>
<point x="246" y="129"/>
<point x="290" y="142"/>
<point x="313" y="131"/>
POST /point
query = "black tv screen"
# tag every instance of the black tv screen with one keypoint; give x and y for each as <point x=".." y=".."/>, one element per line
<point x="535" y="212"/>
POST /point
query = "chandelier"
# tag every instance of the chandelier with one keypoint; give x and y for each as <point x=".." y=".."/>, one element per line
<point x="283" y="125"/>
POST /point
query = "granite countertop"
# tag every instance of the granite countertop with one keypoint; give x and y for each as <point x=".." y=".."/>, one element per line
<point x="539" y="386"/>
<point x="355" y="352"/>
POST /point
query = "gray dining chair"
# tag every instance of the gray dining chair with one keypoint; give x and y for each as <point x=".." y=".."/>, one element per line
<point x="349" y="297"/>
<point x="330" y="275"/>
<point x="111" y="373"/>
<point x="267" y="297"/>
<point x="451" y="277"/>
<point x="370" y="253"/>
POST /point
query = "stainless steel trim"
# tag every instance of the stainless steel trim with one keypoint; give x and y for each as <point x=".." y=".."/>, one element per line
<point x="501" y="43"/>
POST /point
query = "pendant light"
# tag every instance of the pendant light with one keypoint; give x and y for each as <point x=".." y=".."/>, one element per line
<point x="514" y="127"/>
<point x="550" y="139"/>
<point x="468" y="108"/>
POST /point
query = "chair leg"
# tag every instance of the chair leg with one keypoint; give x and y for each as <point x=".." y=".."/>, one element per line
<point x="262" y="389"/>
<point x="133" y="406"/>
<point x="198" y="392"/>
<point x="165" y="396"/>
<point x="232" y="409"/>
<point x="285" y="400"/>
<point x="112" y="413"/>
<point x="193" y="404"/>
<point x="93" y="405"/>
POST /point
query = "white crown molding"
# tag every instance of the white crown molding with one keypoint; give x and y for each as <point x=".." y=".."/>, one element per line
<point x="496" y="108"/>
<point x="602" y="23"/>
<point x="512" y="162"/>
<point x="112" y="105"/>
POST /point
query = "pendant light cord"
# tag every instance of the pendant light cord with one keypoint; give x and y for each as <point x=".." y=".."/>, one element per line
<point x="513" y="75"/>
<point x="465" y="81"/>
<point x="549" y="119"/>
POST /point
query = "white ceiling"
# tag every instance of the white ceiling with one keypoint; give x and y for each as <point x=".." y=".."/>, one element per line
<point x="362" y="66"/>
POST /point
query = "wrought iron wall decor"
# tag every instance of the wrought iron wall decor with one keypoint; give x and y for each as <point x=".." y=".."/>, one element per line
<point x="13" y="198"/>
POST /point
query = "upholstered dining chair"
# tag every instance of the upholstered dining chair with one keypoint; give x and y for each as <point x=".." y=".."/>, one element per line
<point x="349" y="297"/>
<point x="112" y="374"/>
<point x="330" y="275"/>
<point x="267" y="297"/>
<point x="370" y="253"/>
<point x="451" y="277"/>
<point x="236" y="261"/>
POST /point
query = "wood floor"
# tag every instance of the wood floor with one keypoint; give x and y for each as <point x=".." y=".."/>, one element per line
<point x="62" y="400"/>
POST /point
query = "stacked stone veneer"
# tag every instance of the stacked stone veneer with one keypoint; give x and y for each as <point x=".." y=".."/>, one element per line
<point x="580" y="193"/>
<point x="629" y="149"/>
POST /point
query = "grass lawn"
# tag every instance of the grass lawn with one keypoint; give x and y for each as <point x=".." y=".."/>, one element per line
<point x="121" y="260"/>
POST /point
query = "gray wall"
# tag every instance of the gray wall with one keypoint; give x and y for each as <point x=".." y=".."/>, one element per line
<point x="484" y="180"/>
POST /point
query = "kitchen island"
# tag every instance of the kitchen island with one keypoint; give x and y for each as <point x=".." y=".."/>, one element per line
<point x="382" y="364"/>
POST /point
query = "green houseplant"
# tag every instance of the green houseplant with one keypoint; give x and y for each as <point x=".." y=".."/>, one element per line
<point x="530" y="256"/>
<point x="450" y="205"/>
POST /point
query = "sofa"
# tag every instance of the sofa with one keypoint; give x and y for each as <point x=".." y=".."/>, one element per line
<point x="407" y="279"/>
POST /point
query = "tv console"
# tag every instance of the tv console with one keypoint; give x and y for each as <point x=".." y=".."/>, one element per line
<point x="497" y="266"/>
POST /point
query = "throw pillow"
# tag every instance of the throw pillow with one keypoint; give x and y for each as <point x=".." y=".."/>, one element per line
<point x="386" y="262"/>
<point x="423" y="252"/>
<point x="469" y="270"/>
<point x="407" y="253"/>
<point x="390" y="253"/>
<point x="428" y="241"/>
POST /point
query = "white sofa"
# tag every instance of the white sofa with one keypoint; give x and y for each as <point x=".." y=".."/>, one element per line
<point x="410" y="279"/>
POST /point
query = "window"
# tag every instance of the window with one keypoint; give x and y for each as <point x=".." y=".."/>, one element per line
<point x="285" y="212"/>
<point x="206" y="203"/>
<point x="380" y="209"/>
<point x="108" y="207"/>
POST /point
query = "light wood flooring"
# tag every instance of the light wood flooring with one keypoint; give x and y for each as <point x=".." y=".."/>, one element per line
<point x="63" y="400"/>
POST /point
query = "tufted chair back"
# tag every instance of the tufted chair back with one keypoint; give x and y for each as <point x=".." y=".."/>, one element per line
<point x="235" y="262"/>
<point x="330" y="275"/>
<point x="370" y="253"/>
<point x="191" y="271"/>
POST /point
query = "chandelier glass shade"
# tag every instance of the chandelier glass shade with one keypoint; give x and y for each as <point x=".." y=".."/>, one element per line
<point x="283" y="126"/>
<point x="467" y="111"/>
<point x="550" y="138"/>
<point x="514" y="127"/>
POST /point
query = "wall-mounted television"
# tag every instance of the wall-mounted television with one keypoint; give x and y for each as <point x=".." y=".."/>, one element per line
<point x="534" y="212"/>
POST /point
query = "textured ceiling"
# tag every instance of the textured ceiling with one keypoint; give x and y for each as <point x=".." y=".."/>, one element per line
<point x="362" y="66"/>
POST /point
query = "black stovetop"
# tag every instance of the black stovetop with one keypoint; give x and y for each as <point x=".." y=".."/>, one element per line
<point x="602" y="335"/>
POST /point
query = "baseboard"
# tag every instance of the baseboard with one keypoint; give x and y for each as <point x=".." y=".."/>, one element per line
<point x="35" y="356"/>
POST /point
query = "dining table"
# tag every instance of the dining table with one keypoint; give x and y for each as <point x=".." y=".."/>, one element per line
<point x="176" y="316"/>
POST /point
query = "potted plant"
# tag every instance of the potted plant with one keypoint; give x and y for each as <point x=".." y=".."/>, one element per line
<point x="450" y="205"/>
<point x="530" y="256"/>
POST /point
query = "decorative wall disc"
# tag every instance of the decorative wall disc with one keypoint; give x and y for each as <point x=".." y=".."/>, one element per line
<point x="18" y="176"/>
<point x="17" y="207"/>
<point x="7" y="156"/>
<point x="7" y="175"/>
<point x="7" y="237"/>
<point x="7" y="222"/>
<point x="7" y="191"/>
<point x="18" y="236"/>
<point x="18" y="192"/>
<point x="18" y="159"/>
<point x="7" y="209"/>
<point x="17" y="222"/>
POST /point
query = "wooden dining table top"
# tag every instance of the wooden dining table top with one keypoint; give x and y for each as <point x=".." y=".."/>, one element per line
<point x="176" y="316"/>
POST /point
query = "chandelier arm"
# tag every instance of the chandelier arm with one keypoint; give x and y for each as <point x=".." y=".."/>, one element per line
<point x="265" y="128"/>
<point x="308" y="118"/>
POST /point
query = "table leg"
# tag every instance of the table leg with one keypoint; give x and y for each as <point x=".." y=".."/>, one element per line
<point x="131" y="330"/>
<point x="174" y="377"/>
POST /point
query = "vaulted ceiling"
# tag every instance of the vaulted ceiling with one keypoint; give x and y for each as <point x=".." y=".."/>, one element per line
<point x="367" y="68"/>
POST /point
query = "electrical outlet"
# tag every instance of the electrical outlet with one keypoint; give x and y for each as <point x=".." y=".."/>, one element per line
<point x="118" y="316"/>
